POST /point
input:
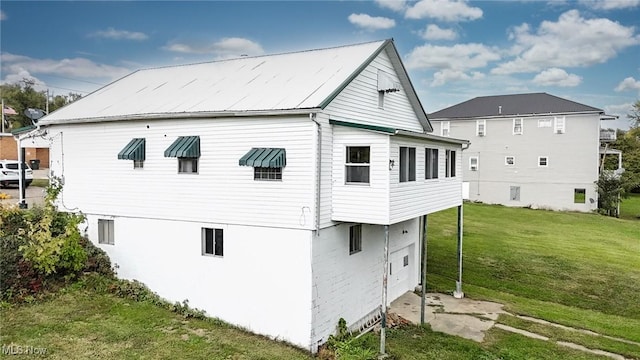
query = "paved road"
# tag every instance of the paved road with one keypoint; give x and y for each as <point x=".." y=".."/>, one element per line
<point x="34" y="195"/>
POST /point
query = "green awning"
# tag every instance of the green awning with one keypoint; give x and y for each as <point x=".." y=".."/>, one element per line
<point x="133" y="151"/>
<point x="184" y="147"/>
<point x="265" y="157"/>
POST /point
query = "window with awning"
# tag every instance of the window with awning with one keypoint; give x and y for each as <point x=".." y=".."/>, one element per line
<point x="184" y="147"/>
<point x="135" y="150"/>
<point x="267" y="163"/>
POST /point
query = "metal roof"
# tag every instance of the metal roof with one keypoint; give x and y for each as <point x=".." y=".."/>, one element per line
<point x="184" y="147"/>
<point x="135" y="150"/>
<point x="517" y="104"/>
<point x="300" y="80"/>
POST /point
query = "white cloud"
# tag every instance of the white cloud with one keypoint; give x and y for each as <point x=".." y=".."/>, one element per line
<point x="434" y="32"/>
<point x="114" y="34"/>
<point x="3" y="15"/>
<point x="628" y="84"/>
<point x="557" y="77"/>
<point x="621" y="110"/>
<point x="572" y="41"/>
<point x="371" y="22"/>
<point x="21" y="75"/>
<point x="456" y="57"/>
<point x="395" y="5"/>
<point x="443" y="10"/>
<point x="223" y="49"/>
<point x="610" y="4"/>
<point x="447" y="75"/>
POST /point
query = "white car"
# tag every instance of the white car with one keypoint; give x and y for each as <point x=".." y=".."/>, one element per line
<point x="10" y="174"/>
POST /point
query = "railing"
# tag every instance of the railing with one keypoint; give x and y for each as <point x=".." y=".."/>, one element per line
<point x="607" y="135"/>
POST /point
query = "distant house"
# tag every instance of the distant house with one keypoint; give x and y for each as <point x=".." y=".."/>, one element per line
<point x="261" y="188"/>
<point x="534" y="150"/>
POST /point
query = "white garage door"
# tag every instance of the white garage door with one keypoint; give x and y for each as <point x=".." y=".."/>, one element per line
<point x="400" y="265"/>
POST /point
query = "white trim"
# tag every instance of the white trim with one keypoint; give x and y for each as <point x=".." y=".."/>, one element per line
<point x="545" y="123"/>
<point x="484" y="127"/>
<point x="559" y="124"/>
<point x="477" y="163"/>
<point x="521" y="120"/>
<point x="445" y="125"/>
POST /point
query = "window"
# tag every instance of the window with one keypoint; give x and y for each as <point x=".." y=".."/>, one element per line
<point x="450" y="166"/>
<point x="473" y="163"/>
<point x="105" y="232"/>
<point x="381" y="99"/>
<point x="188" y="165"/>
<point x="405" y="260"/>
<point x="265" y="173"/>
<point x="579" y="196"/>
<point x="481" y="126"/>
<point x="517" y="126"/>
<point x="212" y="242"/>
<point x="559" y="124"/>
<point x="444" y="129"/>
<point x="355" y="239"/>
<point x="134" y="150"/>
<point x="138" y="164"/>
<point x="431" y="164"/>
<point x="509" y="160"/>
<point x="544" y="123"/>
<point x="407" y="164"/>
<point x="357" y="165"/>
<point x="514" y="193"/>
<point x="543" y="161"/>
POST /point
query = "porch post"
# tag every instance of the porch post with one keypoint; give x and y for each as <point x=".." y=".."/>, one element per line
<point x="458" y="294"/>
<point x="424" y="269"/>
<point x="21" y="179"/>
<point x="383" y="307"/>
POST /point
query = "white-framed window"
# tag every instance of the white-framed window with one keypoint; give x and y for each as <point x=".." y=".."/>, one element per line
<point x="407" y="164"/>
<point x="544" y="123"/>
<point x="450" y="166"/>
<point x="431" y="163"/>
<point x="481" y="127"/>
<point x="188" y="165"/>
<point x="579" y="196"/>
<point x="105" y="232"/>
<point x="543" y="161"/>
<point x="473" y="163"/>
<point x="355" y="239"/>
<point x="514" y="193"/>
<point x="381" y="100"/>
<point x="559" y="125"/>
<point x="357" y="165"/>
<point x="267" y="173"/>
<point x="138" y="164"/>
<point x="518" y="124"/>
<point x="509" y="160"/>
<point x="212" y="242"/>
<point x="444" y="128"/>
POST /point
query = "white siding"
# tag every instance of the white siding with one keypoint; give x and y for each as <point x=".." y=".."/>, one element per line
<point x="358" y="102"/>
<point x="414" y="198"/>
<point x="97" y="182"/>
<point x="262" y="282"/>
<point x="367" y="203"/>
<point x="350" y="286"/>
<point x="326" y="170"/>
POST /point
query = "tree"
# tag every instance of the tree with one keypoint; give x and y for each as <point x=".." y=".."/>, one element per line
<point x="634" y="115"/>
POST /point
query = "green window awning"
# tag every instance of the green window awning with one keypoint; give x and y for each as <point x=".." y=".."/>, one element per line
<point x="133" y="151"/>
<point x="184" y="147"/>
<point x="265" y="157"/>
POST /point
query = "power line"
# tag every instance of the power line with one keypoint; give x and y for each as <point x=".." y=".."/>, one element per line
<point x="64" y="88"/>
<point x="68" y="78"/>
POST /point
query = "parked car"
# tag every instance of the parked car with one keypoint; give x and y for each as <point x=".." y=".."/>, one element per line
<point x="10" y="174"/>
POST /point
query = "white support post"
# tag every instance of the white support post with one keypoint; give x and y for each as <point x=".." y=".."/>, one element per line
<point x="383" y="307"/>
<point x="458" y="294"/>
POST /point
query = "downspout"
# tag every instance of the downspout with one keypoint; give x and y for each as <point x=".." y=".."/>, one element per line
<point x="312" y="117"/>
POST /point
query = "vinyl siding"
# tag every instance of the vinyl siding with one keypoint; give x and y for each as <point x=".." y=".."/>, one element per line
<point x="359" y="100"/>
<point x="222" y="191"/>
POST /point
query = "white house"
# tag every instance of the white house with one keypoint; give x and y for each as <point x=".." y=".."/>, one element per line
<point x="534" y="150"/>
<point x="260" y="188"/>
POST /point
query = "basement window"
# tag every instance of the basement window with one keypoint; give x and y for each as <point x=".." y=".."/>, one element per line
<point x="514" y="193"/>
<point x="212" y="242"/>
<point x="105" y="232"/>
<point x="355" y="239"/>
<point x="579" y="196"/>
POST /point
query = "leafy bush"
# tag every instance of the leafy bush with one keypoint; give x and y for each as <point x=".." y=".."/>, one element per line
<point x="344" y="346"/>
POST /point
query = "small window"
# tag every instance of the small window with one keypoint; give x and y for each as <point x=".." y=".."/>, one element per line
<point x="357" y="164"/>
<point x="188" y="165"/>
<point x="431" y="164"/>
<point x="105" y="232"/>
<point x="544" y="123"/>
<point x="543" y="161"/>
<point x="450" y="168"/>
<point x="405" y="260"/>
<point x="381" y="99"/>
<point x="559" y="124"/>
<point x="265" y="173"/>
<point x="444" y="129"/>
<point x="481" y="126"/>
<point x="355" y="239"/>
<point x="473" y="163"/>
<point x="407" y="164"/>
<point x="509" y="160"/>
<point x="138" y="164"/>
<point x="212" y="242"/>
<point x="517" y="126"/>
<point x="579" y="196"/>
<point x="514" y="193"/>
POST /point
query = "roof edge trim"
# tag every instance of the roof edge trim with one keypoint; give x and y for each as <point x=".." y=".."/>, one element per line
<point x="383" y="129"/>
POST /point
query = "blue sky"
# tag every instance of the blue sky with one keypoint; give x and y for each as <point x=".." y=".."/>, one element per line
<point x="587" y="51"/>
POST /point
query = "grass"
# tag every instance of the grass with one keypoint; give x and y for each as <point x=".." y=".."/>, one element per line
<point x="40" y="182"/>
<point x="630" y="207"/>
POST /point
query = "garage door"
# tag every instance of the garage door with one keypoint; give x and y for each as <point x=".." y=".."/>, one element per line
<point x="400" y="273"/>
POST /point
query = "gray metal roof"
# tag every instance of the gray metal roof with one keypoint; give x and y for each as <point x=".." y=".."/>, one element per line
<point x="517" y="104"/>
<point x="247" y="85"/>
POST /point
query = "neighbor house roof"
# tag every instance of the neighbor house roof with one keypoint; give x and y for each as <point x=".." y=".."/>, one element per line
<point x="517" y="104"/>
<point x="291" y="82"/>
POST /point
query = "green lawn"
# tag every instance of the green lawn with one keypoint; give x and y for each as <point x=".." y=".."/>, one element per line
<point x="630" y="207"/>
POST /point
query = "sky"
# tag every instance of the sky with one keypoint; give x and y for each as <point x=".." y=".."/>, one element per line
<point x="583" y="50"/>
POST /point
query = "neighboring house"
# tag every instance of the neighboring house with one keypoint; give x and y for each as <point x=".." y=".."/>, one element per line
<point x="35" y="149"/>
<point x="260" y="188"/>
<point x="535" y="150"/>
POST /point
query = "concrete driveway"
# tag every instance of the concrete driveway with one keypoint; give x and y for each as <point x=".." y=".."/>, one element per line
<point x="34" y="195"/>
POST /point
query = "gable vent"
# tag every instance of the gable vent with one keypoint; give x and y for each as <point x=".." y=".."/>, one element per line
<point x="386" y="83"/>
